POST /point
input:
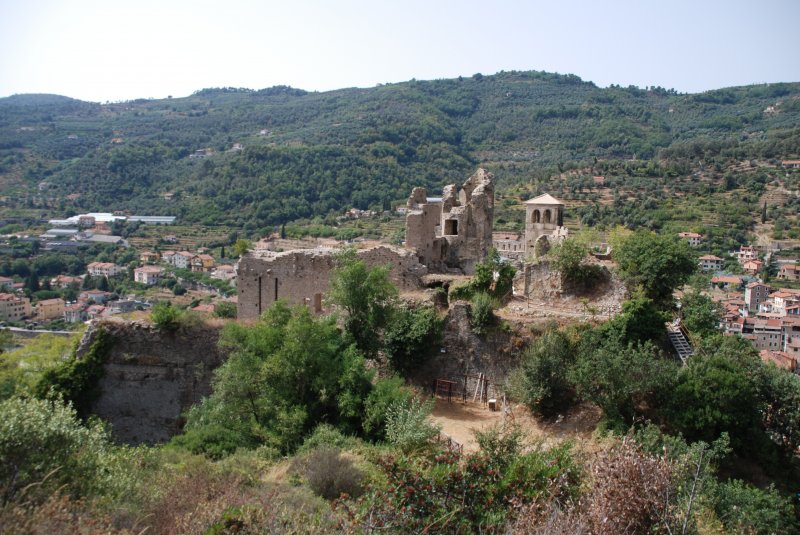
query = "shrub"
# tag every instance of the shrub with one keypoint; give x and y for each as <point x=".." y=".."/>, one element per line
<point x="544" y="376"/>
<point x="330" y="474"/>
<point x="632" y="491"/>
<point x="42" y="442"/>
<point x="225" y="309"/>
<point x="325" y="435"/>
<point x="743" y="508"/>
<point x="407" y="425"/>
<point x="412" y="335"/>
<point x="569" y="259"/>
<point x="385" y="393"/>
<point x="178" y="290"/>
<point x="213" y="441"/>
<point x="481" y="314"/>
<point x="165" y="316"/>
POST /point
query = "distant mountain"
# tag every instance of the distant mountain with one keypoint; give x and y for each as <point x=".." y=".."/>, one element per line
<point x="259" y="158"/>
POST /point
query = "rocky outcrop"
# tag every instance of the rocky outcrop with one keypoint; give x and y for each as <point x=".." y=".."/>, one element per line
<point x="152" y="376"/>
<point x="466" y="354"/>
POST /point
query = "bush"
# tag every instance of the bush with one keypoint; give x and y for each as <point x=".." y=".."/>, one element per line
<point x="213" y="441"/>
<point x="569" y="260"/>
<point x="743" y="508"/>
<point x="481" y="314"/>
<point x="330" y="474"/>
<point x="165" y="316"/>
<point x="225" y="309"/>
<point x="413" y="334"/>
<point x="325" y="435"/>
<point x="544" y="383"/>
<point x="386" y="393"/>
<point x="407" y="425"/>
<point x="42" y="442"/>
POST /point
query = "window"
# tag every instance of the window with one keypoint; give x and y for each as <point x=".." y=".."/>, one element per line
<point x="451" y="227"/>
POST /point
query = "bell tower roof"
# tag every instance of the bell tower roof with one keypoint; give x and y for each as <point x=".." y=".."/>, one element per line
<point x="544" y="199"/>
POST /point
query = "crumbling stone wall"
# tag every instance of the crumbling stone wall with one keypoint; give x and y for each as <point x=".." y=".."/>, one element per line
<point x="151" y="377"/>
<point x="454" y="232"/>
<point x="302" y="276"/>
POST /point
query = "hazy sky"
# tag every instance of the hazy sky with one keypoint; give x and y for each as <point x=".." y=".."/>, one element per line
<point x="119" y="50"/>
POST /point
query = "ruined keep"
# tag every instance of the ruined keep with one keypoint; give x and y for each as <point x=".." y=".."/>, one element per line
<point x="544" y="224"/>
<point x="301" y="277"/>
<point x="453" y="232"/>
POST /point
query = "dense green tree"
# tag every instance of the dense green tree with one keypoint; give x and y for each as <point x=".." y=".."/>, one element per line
<point x="701" y="314"/>
<point x="285" y="374"/>
<point x="640" y="321"/>
<point x="367" y="297"/>
<point x="658" y="264"/>
<point x="412" y="336"/>
<point x="619" y="376"/>
<point x="544" y="382"/>
<point x="715" y="394"/>
<point x="570" y="259"/>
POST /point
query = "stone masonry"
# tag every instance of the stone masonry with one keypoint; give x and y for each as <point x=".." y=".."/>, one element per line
<point x="302" y="276"/>
<point x="454" y="232"/>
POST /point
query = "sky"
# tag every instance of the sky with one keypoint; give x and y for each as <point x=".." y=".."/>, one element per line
<point x="114" y="50"/>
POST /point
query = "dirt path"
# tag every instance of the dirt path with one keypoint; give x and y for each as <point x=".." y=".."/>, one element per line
<point x="459" y="421"/>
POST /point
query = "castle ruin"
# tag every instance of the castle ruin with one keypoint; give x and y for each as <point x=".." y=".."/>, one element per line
<point x="302" y="276"/>
<point x="454" y="232"/>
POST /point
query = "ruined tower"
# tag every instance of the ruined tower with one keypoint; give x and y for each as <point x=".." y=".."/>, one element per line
<point x="453" y="232"/>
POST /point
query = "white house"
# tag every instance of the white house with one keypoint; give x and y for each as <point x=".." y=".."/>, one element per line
<point x="148" y="275"/>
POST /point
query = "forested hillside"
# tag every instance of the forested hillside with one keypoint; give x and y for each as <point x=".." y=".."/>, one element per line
<point x="307" y="154"/>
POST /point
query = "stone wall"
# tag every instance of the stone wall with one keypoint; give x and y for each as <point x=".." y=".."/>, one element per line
<point x="302" y="276"/>
<point x="151" y="377"/>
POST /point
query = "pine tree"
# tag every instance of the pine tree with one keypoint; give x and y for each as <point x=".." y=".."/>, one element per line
<point x="764" y="213"/>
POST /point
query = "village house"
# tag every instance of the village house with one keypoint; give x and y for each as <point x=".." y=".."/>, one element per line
<point x="599" y="181"/>
<point x="148" y="275"/>
<point x="104" y="269"/>
<point x="692" y="237"/>
<point x="728" y="282"/>
<point x="180" y="259"/>
<point x="745" y="253"/>
<point x="789" y="272"/>
<point x="95" y="296"/>
<point x="710" y="262"/>
<point x="224" y="272"/>
<point x="148" y="257"/>
<point x="791" y="164"/>
<point x="782" y="299"/>
<point x="65" y="281"/>
<point x="50" y="309"/>
<point x="14" y="308"/>
<point x="755" y="293"/>
<point x="96" y="311"/>
<point x="75" y="313"/>
<point x="508" y="244"/>
<point x="780" y="359"/>
<point x="202" y="263"/>
<point x="752" y="266"/>
<point x="6" y="283"/>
